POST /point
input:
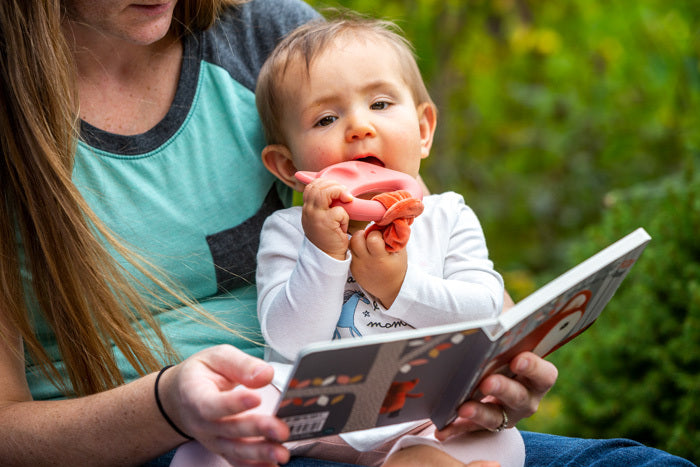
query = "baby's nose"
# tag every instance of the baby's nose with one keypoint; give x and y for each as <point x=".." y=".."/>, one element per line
<point x="359" y="128"/>
<point x="361" y="131"/>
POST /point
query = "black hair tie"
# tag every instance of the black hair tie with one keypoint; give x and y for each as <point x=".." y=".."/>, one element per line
<point x="162" y="410"/>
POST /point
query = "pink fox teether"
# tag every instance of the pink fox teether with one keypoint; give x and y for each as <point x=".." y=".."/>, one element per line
<point x="363" y="178"/>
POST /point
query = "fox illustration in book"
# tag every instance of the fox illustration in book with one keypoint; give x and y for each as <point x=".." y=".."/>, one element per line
<point x="552" y="333"/>
<point x="396" y="397"/>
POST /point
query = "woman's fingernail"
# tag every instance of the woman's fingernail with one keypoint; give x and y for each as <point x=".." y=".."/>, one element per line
<point x="259" y="370"/>
<point x="273" y="455"/>
<point x="522" y="365"/>
<point x="468" y="412"/>
<point x="250" y="401"/>
<point x="273" y="436"/>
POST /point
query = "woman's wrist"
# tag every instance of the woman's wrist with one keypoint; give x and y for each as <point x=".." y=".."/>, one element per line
<point x="161" y="408"/>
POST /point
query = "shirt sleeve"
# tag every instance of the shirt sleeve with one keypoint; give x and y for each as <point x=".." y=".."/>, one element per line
<point x="300" y="288"/>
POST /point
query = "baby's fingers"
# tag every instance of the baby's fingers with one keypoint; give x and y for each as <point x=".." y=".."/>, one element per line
<point x="364" y="245"/>
<point x="321" y="193"/>
<point x="376" y="246"/>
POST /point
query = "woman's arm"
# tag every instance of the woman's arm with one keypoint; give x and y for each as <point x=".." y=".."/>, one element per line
<point x="123" y="426"/>
<point x="118" y="427"/>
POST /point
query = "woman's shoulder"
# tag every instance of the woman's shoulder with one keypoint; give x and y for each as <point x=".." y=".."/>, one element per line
<point x="272" y="18"/>
<point x="275" y="12"/>
<point x="246" y="34"/>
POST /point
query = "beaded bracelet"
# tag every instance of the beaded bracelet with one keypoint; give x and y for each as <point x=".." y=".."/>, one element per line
<point x="162" y="410"/>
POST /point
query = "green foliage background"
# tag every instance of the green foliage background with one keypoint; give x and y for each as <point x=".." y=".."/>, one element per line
<point x="564" y="124"/>
<point x="637" y="372"/>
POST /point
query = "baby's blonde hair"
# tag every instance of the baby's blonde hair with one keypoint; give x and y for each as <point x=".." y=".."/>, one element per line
<point x="312" y="39"/>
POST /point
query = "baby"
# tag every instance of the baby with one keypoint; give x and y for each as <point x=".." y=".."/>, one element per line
<point x="345" y="90"/>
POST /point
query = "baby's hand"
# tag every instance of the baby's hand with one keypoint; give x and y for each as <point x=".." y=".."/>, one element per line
<point x="326" y="226"/>
<point x="378" y="271"/>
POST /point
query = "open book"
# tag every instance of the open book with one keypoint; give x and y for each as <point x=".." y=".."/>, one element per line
<point x="385" y="379"/>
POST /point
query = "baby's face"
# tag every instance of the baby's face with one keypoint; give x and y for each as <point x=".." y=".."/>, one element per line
<point x="354" y="104"/>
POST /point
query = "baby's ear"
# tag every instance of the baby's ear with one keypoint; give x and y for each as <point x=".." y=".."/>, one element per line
<point x="427" y="120"/>
<point x="278" y="160"/>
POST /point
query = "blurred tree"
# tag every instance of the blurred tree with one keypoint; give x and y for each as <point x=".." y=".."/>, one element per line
<point x="636" y="372"/>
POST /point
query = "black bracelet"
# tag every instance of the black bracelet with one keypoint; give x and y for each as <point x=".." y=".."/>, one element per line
<point x="162" y="410"/>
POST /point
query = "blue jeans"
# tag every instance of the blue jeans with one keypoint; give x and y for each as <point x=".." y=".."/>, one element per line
<point x="543" y="450"/>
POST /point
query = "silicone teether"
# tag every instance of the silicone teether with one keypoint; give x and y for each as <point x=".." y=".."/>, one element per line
<point x="363" y="178"/>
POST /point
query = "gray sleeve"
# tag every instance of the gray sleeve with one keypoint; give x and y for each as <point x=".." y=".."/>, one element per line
<point x="244" y="37"/>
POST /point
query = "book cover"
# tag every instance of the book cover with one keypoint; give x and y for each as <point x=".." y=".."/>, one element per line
<point x="384" y="379"/>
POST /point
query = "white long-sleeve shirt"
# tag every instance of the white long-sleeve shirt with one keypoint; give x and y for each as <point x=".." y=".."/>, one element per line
<point x="306" y="296"/>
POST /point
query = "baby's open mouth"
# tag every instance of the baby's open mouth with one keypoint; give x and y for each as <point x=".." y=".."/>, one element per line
<point x="371" y="160"/>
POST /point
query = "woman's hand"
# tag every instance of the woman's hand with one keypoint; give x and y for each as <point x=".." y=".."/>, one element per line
<point x="203" y="397"/>
<point x="519" y="396"/>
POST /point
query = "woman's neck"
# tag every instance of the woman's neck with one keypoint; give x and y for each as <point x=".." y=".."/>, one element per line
<point x="125" y="88"/>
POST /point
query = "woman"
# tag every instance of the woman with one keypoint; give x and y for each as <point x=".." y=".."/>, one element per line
<point x="129" y="132"/>
<point x="119" y="65"/>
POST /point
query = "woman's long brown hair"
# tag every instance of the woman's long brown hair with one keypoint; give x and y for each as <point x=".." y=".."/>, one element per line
<point x="46" y="227"/>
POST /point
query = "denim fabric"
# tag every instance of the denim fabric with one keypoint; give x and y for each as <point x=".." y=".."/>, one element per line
<point x="161" y="461"/>
<point x="543" y="450"/>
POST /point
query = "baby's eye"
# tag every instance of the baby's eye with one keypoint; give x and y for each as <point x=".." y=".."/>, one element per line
<point x="327" y="120"/>
<point x="380" y="105"/>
